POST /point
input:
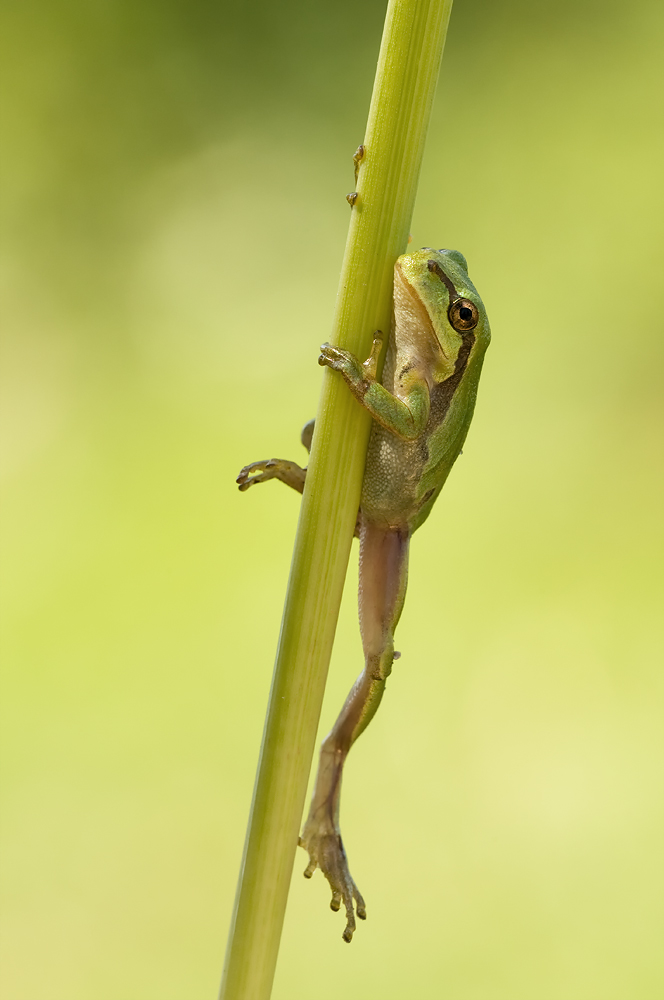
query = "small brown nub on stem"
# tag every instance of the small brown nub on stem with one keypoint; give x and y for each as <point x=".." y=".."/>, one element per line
<point x="358" y="156"/>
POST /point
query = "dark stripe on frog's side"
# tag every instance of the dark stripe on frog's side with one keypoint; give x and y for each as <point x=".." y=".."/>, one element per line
<point x="443" y="392"/>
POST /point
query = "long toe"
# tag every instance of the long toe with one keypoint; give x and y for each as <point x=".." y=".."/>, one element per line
<point x="349" y="929"/>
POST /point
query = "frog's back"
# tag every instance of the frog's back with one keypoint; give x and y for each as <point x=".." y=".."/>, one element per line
<point x="440" y="332"/>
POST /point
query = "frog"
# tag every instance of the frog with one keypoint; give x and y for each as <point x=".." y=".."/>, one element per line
<point x="421" y="408"/>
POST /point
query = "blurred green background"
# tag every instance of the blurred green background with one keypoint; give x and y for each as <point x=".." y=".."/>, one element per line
<point x="174" y="222"/>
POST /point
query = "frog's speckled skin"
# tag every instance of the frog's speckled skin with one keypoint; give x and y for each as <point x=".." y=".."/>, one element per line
<point x="422" y="410"/>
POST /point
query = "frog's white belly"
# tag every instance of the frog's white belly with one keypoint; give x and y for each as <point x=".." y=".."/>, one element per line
<point x="393" y="474"/>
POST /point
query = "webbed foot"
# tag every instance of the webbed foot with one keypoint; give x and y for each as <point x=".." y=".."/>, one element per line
<point x="326" y="851"/>
<point x="272" y="468"/>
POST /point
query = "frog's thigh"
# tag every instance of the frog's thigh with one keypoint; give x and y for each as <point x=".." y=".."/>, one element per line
<point x="383" y="576"/>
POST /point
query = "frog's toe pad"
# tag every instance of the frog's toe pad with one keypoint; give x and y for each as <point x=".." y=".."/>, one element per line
<point x="335" y="357"/>
<point x="256" y="472"/>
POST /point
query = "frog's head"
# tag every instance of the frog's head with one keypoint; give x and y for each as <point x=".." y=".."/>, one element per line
<point x="439" y="278"/>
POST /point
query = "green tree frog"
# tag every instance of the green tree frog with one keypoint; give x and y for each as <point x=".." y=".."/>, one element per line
<point x="421" y="410"/>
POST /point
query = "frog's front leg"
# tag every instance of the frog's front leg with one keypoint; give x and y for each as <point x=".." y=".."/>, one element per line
<point x="272" y="468"/>
<point x="406" y="415"/>
<point x="278" y="468"/>
<point x="383" y="575"/>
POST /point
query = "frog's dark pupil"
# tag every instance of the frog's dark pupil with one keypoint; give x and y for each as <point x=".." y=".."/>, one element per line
<point x="465" y="313"/>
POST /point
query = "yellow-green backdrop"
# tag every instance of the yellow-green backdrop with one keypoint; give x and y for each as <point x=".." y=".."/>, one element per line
<point x="174" y="223"/>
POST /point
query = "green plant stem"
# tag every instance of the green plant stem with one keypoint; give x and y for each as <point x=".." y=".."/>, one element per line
<point x="406" y="78"/>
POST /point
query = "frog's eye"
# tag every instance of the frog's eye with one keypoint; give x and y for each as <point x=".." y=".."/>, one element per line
<point x="463" y="315"/>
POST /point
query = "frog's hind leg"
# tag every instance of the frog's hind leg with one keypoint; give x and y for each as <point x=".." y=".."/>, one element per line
<point x="383" y="576"/>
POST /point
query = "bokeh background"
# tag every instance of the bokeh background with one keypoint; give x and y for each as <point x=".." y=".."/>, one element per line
<point x="174" y="223"/>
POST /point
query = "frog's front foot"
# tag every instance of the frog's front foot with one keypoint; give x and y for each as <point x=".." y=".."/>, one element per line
<point x="341" y="361"/>
<point x="358" y="375"/>
<point x="326" y="851"/>
<point x="272" y="468"/>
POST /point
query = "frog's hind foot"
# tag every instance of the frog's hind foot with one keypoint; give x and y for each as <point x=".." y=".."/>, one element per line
<point x="326" y="851"/>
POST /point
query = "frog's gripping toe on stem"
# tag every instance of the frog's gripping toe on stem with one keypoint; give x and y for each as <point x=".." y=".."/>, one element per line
<point x="326" y="851"/>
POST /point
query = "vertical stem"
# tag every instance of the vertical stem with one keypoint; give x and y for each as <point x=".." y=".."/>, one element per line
<point x="406" y="77"/>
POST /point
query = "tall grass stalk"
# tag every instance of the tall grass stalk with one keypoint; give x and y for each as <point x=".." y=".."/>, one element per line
<point x="406" y="77"/>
